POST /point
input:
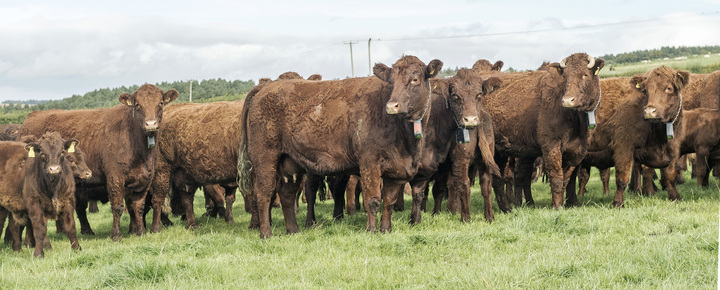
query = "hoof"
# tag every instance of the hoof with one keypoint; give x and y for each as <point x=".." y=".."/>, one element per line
<point x="87" y="232"/>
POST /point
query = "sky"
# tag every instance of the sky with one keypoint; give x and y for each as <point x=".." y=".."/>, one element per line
<point x="56" y="49"/>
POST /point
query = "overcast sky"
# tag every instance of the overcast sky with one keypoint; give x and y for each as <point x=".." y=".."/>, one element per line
<point x="54" y="49"/>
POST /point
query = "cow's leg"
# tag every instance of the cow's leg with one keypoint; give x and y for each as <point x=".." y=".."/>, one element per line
<point x="13" y="230"/>
<point x="509" y="179"/>
<point x="29" y="236"/>
<point x="216" y="194"/>
<point x="440" y="191"/>
<point x="391" y="190"/>
<point x="605" y="178"/>
<point x="680" y="166"/>
<point x="523" y="179"/>
<point x="623" y="168"/>
<point x="159" y="189"/>
<point x="635" y="184"/>
<point x="59" y="227"/>
<point x="701" y="167"/>
<point x="116" y="191"/>
<point x="647" y="180"/>
<point x="93" y="206"/>
<point x="39" y="228"/>
<point x="426" y="196"/>
<point x="371" y="183"/>
<point x="350" y="194"/>
<point x="583" y="176"/>
<point x="81" y="205"/>
<point x="230" y="195"/>
<point x="312" y="183"/>
<point x="554" y="170"/>
<point x="337" y="188"/>
<point x="572" y="199"/>
<point x="486" y="189"/>
<point x="459" y="185"/>
<point x="69" y="222"/>
<point x="187" y="196"/>
<point x="287" y="192"/>
<point x="418" y="196"/>
<point x="264" y="182"/>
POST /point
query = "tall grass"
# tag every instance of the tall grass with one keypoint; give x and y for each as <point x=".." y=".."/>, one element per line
<point x="651" y="243"/>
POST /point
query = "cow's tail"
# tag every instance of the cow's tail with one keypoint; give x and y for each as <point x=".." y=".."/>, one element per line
<point x="487" y="154"/>
<point x="244" y="166"/>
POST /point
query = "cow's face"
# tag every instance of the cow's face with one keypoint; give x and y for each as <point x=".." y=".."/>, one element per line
<point x="147" y="104"/>
<point x="484" y="65"/>
<point x="582" y="84"/>
<point x="411" y="88"/>
<point x="663" y="88"/>
<point x="76" y="158"/>
<point x="466" y="89"/>
<point x="49" y="155"/>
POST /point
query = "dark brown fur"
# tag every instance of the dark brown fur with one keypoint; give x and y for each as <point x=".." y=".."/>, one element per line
<point x="530" y="120"/>
<point x="335" y="127"/>
<point x="116" y="143"/>
<point x="36" y="188"/>
<point x="624" y="133"/>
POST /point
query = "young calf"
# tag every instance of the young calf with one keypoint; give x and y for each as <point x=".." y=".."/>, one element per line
<point x="38" y="184"/>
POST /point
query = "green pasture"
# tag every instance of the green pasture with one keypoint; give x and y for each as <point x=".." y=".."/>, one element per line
<point x="693" y="64"/>
<point x="651" y="243"/>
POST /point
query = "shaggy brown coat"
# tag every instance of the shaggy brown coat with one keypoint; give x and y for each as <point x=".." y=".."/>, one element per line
<point x="631" y="125"/>
<point x="336" y="127"/>
<point x="36" y="183"/>
<point x="543" y="113"/>
<point x="116" y="141"/>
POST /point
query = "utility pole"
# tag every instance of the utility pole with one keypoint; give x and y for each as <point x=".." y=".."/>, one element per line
<point x="369" y="59"/>
<point x="352" y="63"/>
<point x="191" y="81"/>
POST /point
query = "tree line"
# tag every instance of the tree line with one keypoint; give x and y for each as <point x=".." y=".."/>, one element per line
<point x="202" y="91"/>
<point x="663" y="52"/>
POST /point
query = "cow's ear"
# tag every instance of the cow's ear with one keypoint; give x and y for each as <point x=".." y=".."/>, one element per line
<point x="638" y="82"/>
<point x="491" y="85"/>
<point x="441" y="88"/>
<point x="32" y="148"/>
<point x="70" y="145"/>
<point x="126" y="99"/>
<point x="683" y="78"/>
<point x="383" y="72"/>
<point x="169" y="96"/>
<point x="599" y="64"/>
<point x="556" y="66"/>
<point x="433" y="69"/>
<point x="498" y="65"/>
<point x="28" y="139"/>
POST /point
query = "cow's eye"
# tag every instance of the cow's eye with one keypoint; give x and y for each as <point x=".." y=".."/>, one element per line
<point x="669" y="90"/>
<point x="415" y="80"/>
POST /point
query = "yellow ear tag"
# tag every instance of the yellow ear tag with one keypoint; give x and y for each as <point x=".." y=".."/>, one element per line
<point x="435" y="87"/>
<point x="31" y="153"/>
<point x="129" y="103"/>
<point x="597" y="71"/>
<point x="637" y="86"/>
<point x="72" y="148"/>
<point x="432" y="72"/>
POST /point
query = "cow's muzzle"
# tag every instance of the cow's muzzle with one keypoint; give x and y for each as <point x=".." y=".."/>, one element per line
<point x="151" y="126"/>
<point x="392" y="108"/>
<point x="570" y="102"/>
<point x="651" y="114"/>
<point x="86" y="174"/>
<point x="54" y="170"/>
<point x="471" y="122"/>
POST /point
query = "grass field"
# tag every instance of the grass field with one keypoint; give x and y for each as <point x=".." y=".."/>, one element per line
<point x="651" y="243"/>
<point x="693" y="64"/>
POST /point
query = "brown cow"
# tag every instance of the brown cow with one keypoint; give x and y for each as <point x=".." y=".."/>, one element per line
<point x="9" y="132"/>
<point x="544" y="113"/>
<point x="358" y="125"/>
<point x="631" y="125"/>
<point x="119" y="143"/>
<point x="460" y="95"/>
<point x="37" y="183"/>
<point x="699" y="132"/>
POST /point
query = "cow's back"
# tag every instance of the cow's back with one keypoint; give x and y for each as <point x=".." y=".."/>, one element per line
<point x="194" y="136"/>
<point x="703" y="91"/>
<point x="317" y="121"/>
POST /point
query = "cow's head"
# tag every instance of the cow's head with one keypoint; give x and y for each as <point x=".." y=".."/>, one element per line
<point x="147" y="104"/>
<point x="466" y="89"/>
<point x="411" y="88"/>
<point x="76" y="158"/>
<point x="484" y="65"/>
<point x="582" y="84"/>
<point x="48" y="155"/>
<point x="663" y="88"/>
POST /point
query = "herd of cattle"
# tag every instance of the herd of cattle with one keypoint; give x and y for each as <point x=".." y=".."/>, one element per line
<point x="402" y="125"/>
